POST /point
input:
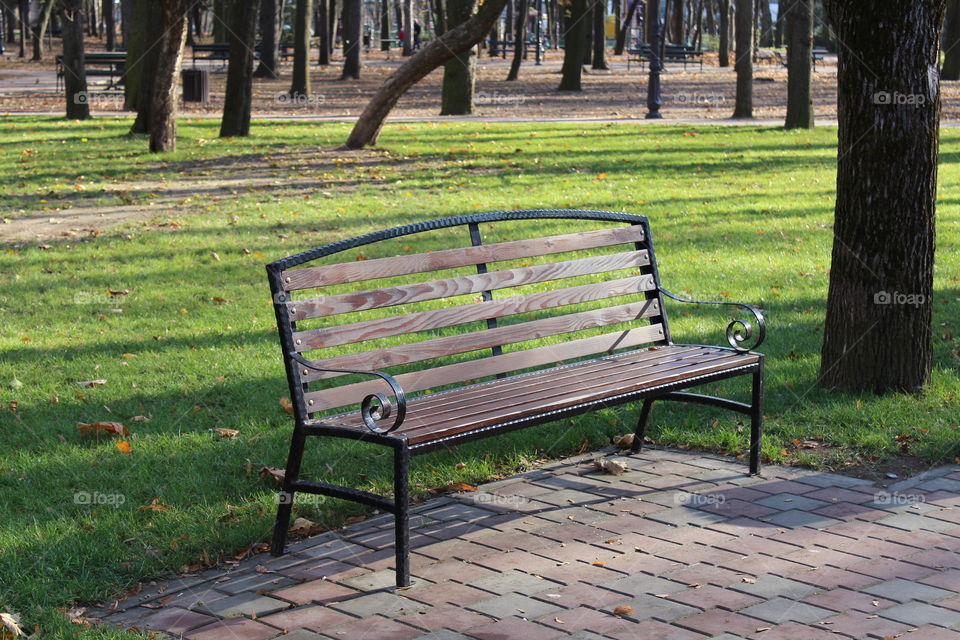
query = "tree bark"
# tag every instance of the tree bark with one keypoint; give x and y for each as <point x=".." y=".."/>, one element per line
<point x="799" y="17"/>
<point x="519" y="39"/>
<point x="239" y="92"/>
<point x="437" y="52"/>
<point x="675" y="27"/>
<point x="23" y="9"/>
<point x="617" y="22"/>
<point x="878" y="333"/>
<point x="407" y="27"/>
<point x="220" y="20"/>
<point x="300" y="86"/>
<point x="40" y="29"/>
<point x="166" y="94"/>
<point x="951" y="42"/>
<point x="352" y="25"/>
<point x="74" y="74"/>
<point x="109" y="25"/>
<point x="323" y="33"/>
<point x="743" y="107"/>
<point x="573" y="48"/>
<point x="140" y="67"/>
<point x="269" y="40"/>
<point x="625" y="28"/>
<point x="126" y="17"/>
<point x="460" y="71"/>
<point x="384" y="25"/>
<point x="766" y="23"/>
<point x="588" y="32"/>
<point x="724" y="53"/>
<point x="599" y="36"/>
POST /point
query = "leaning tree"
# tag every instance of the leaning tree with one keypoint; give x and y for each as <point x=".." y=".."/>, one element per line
<point x="878" y="333"/>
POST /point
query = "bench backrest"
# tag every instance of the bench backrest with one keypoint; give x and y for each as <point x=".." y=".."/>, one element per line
<point x="467" y="310"/>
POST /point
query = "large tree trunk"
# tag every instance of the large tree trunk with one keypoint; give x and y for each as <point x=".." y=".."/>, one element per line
<point x="799" y="17"/>
<point x="573" y="47"/>
<point x="140" y="67"/>
<point x="74" y="74"/>
<point x="163" y="111"/>
<point x="126" y="17"/>
<point x="437" y="52"/>
<point x="269" y="39"/>
<point x="239" y="91"/>
<point x="384" y="25"/>
<point x="877" y="333"/>
<point x="599" y="36"/>
<point x="460" y="71"/>
<point x="352" y="19"/>
<point x="743" y="107"/>
<point x="40" y="29"/>
<point x="519" y="39"/>
<point x="724" y="44"/>
<point x="951" y="42"/>
<point x="300" y="86"/>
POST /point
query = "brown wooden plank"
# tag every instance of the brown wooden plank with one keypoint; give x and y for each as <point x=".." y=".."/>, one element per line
<point x="461" y="314"/>
<point x="462" y="285"/>
<point x="402" y="354"/>
<point x="310" y="277"/>
<point x="483" y="367"/>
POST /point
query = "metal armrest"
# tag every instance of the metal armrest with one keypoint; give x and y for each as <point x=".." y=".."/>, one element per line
<point x="375" y="406"/>
<point x="735" y="337"/>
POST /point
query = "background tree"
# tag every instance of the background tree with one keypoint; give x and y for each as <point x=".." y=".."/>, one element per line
<point x="435" y="53"/>
<point x="384" y="25"/>
<point x="574" y="44"/>
<point x="140" y="67"/>
<point x="883" y="247"/>
<point x="40" y="28"/>
<point x="743" y="106"/>
<point x="323" y="33"/>
<point x="724" y="45"/>
<point x="352" y="26"/>
<point x="519" y="39"/>
<point x="799" y="17"/>
<point x="407" y="27"/>
<point x="166" y="94"/>
<point x="109" y="25"/>
<point x="269" y="39"/>
<point x="951" y="42"/>
<point x="599" y="35"/>
<point x="74" y="75"/>
<point x="300" y="86"/>
<point x="242" y="36"/>
<point x="624" y="32"/>
<point x="460" y="71"/>
<point x="23" y="17"/>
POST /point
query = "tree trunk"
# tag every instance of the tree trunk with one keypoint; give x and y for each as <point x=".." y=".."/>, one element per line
<point x="239" y="92"/>
<point x="573" y="47"/>
<point x="951" y="42"/>
<point x="109" y="25"/>
<point x="779" y="28"/>
<point x="799" y="17"/>
<point x="617" y="22"/>
<point x="743" y="107"/>
<point x="220" y="20"/>
<point x="407" y="27"/>
<point x="40" y="29"/>
<point x="384" y="25"/>
<point x="766" y="23"/>
<point x="460" y="71"/>
<point x="323" y="33"/>
<point x="519" y="39"/>
<point x="300" y="86"/>
<point x="588" y="32"/>
<point x="126" y="18"/>
<point x="269" y="40"/>
<point x="625" y="28"/>
<point x="878" y="333"/>
<point x="140" y="67"/>
<point x="163" y="111"/>
<point x="676" y="22"/>
<point x="724" y="45"/>
<point x="352" y="25"/>
<point x="74" y="74"/>
<point x="23" y="9"/>
<point x="437" y="52"/>
<point x="599" y="36"/>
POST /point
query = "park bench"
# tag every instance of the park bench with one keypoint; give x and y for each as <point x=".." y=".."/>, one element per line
<point x="816" y="55"/>
<point x="103" y="64"/>
<point x="577" y="324"/>
<point x="681" y="53"/>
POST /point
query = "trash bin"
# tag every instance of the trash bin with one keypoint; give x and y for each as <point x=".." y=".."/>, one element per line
<point x="196" y="85"/>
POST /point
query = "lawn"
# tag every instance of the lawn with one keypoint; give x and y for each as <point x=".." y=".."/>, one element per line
<point x="736" y="213"/>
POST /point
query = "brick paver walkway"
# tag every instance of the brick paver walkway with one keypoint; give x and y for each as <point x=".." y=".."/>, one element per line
<point x="694" y="547"/>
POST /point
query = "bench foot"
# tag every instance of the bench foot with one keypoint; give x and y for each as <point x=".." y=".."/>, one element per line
<point x="401" y="501"/>
<point x="286" y="495"/>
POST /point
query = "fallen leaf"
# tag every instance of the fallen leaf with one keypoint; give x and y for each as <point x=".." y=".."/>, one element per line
<point x="623" y="610"/>
<point x="749" y="580"/>
<point x="15" y="384"/>
<point x="124" y="447"/>
<point x="759" y="629"/>
<point x="220" y="300"/>
<point x="623" y="442"/>
<point x="11" y="624"/>
<point x="113" y="428"/>
<point x="610" y="466"/>
<point x="286" y="404"/>
<point x="304" y="527"/>
<point x="355" y="519"/>
<point x="140" y="419"/>
<point x="116" y="293"/>
<point x="273" y="472"/>
<point x="452" y="487"/>
<point x="459" y="466"/>
<point x="213" y="254"/>
<point x="92" y="383"/>
<point x="226" y="433"/>
<point x="75" y="616"/>
<point x="155" y="505"/>
<point x="559" y="621"/>
<point x="262" y="569"/>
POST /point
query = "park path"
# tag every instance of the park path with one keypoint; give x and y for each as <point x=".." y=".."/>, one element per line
<point x="683" y="546"/>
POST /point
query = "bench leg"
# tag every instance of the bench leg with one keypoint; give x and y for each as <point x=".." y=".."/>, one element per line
<point x="756" y="420"/>
<point x="642" y="424"/>
<point x="401" y="500"/>
<point x="285" y="497"/>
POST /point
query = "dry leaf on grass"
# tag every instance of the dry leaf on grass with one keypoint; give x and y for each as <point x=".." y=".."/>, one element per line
<point x="452" y="487"/>
<point x="140" y="419"/>
<point x="226" y="433"/>
<point x="610" y="466"/>
<point x="286" y="404"/>
<point x="272" y="472"/>
<point x="113" y="428"/>
<point x="92" y="383"/>
<point x="76" y="616"/>
<point x="124" y="447"/>
<point x="10" y="623"/>
<point x="155" y="505"/>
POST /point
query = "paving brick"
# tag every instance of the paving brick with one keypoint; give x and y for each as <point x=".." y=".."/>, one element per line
<point x="579" y="572"/>
<point x="582" y="618"/>
<point x="837" y="495"/>
<point x="913" y="522"/>
<point x="819" y="557"/>
<point x="948" y="579"/>
<point x="848" y="510"/>
<point x="702" y="574"/>
<point x="390" y="605"/>
<point x="793" y="631"/>
<point x="641" y="583"/>
<point x="886" y="569"/>
<point x="514" y="628"/>
<point x="372" y="628"/>
<point x="320" y="569"/>
<point x="243" y="604"/>
<point x="832" y="480"/>
<point x="937" y="558"/>
<point x="193" y="596"/>
<point x="634" y="523"/>
<point x="685" y="516"/>
<point x="714" y="597"/>
<point x="739" y="508"/>
<point x="314" y="617"/>
<point x="779" y="610"/>
<point x="648" y="606"/>
<point x="514" y="604"/>
<point x="452" y="569"/>
<point x="446" y="616"/>
<point x="254" y="582"/>
<point x="847" y="599"/>
<point x="580" y="594"/>
<point x="787" y="501"/>
<point x="929" y="632"/>
<point x="693" y="553"/>
<point x="794" y="518"/>
<point x="368" y="581"/>
<point x="904" y="590"/>
<point x="770" y="586"/>
<point x="176" y="620"/>
<point x="864" y="625"/>
<point x="831" y="578"/>
<point x="783" y="486"/>
<point x="918" y="613"/>
<point x="443" y="634"/>
<point x="437" y="594"/>
<point x="636" y="561"/>
<point x="715" y="621"/>
<point x="655" y="630"/>
<point x="760" y="564"/>
<point x="513" y="582"/>
<point x="319" y="591"/>
<point x="302" y="634"/>
<point x="233" y="629"/>
<point x="505" y="561"/>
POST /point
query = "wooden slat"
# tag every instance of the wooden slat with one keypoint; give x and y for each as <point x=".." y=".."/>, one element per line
<point x="309" y="277"/>
<point x="462" y="285"/>
<point x="483" y="367"/>
<point x="485" y="339"/>
<point x="461" y="314"/>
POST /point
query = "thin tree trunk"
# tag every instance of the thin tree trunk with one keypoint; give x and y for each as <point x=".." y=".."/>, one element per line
<point x="269" y="40"/>
<point x="40" y="29"/>
<point x="766" y="24"/>
<point x="352" y="19"/>
<point x="460" y="71"/>
<point x="599" y="36"/>
<point x="724" y="53"/>
<point x="126" y="17"/>
<point x="323" y="33"/>
<point x="220" y="20"/>
<point x="743" y="107"/>
<point x="437" y="52"/>
<point x="799" y="17"/>
<point x="163" y="112"/>
<point x="625" y="28"/>
<point x="74" y="74"/>
<point x="109" y="25"/>
<point x="407" y="27"/>
<point x="676" y="22"/>
<point x="617" y="21"/>
<point x="494" y="40"/>
<point x="951" y="42"/>
<point x="878" y="328"/>
<point x="239" y="92"/>
<point x="519" y="39"/>
<point x="588" y="32"/>
<point x="384" y="25"/>
<point x="573" y="48"/>
<point x="23" y="8"/>
<point x="300" y="86"/>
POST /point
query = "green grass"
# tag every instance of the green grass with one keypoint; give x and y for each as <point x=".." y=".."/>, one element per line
<point x="738" y="212"/>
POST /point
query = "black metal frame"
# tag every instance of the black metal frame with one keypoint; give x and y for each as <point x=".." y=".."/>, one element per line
<point x="378" y="406"/>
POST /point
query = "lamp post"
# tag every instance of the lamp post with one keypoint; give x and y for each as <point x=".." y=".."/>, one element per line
<point x="656" y="65"/>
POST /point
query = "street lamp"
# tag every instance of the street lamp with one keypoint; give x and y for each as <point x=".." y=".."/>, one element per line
<point x="656" y="65"/>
